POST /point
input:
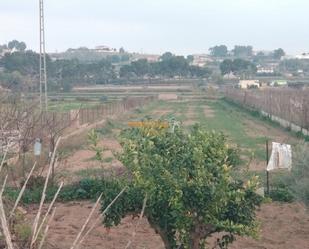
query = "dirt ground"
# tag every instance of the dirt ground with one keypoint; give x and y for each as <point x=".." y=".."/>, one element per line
<point x="283" y="226"/>
<point x="83" y="159"/>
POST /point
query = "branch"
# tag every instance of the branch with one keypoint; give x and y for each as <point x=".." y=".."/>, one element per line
<point x="4" y="224"/>
<point x="137" y="225"/>
<point x="46" y="229"/>
<point x="3" y="159"/>
<point x="38" y="216"/>
<point x="100" y="216"/>
<point x="48" y="211"/>
<point x="22" y="191"/>
<point x="75" y="243"/>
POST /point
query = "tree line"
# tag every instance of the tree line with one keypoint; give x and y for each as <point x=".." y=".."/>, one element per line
<point x="169" y="66"/>
<point x="244" y="51"/>
<point x="20" y="69"/>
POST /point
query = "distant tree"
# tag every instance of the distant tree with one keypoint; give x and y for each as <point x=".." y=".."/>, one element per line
<point x="140" y="67"/>
<point x="226" y="66"/>
<point x="260" y="54"/>
<point x="25" y="63"/>
<point x="166" y="56"/>
<point x="278" y="53"/>
<point x="243" y="68"/>
<point x="239" y="67"/>
<point x="11" y="80"/>
<point x="12" y="44"/>
<point x="121" y="50"/>
<point x="199" y="72"/>
<point x="190" y="58"/>
<point x="219" y="51"/>
<point x="243" y="51"/>
<point x="293" y="65"/>
<point x="20" y="46"/>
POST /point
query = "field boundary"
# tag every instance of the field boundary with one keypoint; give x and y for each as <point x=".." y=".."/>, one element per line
<point x="289" y="108"/>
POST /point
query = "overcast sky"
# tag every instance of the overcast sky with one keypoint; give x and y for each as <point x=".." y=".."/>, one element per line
<point x="156" y="26"/>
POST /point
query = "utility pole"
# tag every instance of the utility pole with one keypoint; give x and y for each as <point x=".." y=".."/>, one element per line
<point x="43" y="74"/>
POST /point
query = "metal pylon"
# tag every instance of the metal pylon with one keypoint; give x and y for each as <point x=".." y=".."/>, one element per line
<point x="43" y="74"/>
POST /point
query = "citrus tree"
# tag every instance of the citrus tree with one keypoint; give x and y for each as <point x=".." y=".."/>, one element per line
<point x="185" y="178"/>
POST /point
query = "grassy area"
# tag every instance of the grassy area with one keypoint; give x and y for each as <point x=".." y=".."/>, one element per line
<point x="64" y="106"/>
<point x="225" y="118"/>
<point x="231" y="122"/>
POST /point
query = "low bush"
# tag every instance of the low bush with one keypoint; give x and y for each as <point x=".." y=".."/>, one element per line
<point x="281" y="194"/>
<point x="85" y="189"/>
<point x="296" y="182"/>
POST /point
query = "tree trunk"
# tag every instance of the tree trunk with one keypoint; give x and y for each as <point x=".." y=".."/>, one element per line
<point x="162" y="234"/>
<point x="198" y="233"/>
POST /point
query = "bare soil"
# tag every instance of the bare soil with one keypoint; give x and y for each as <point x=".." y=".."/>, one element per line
<point x="283" y="226"/>
<point x="168" y="96"/>
<point x="85" y="159"/>
<point x="161" y="112"/>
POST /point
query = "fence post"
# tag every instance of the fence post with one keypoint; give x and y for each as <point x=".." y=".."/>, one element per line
<point x="267" y="172"/>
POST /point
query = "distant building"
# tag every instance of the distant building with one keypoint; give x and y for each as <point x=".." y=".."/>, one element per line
<point x="201" y="60"/>
<point x="303" y="56"/>
<point x="5" y="51"/>
<point x="230" y="76"/>
<point x="105" y="49"/>
<point x="246" y="84"/>
<point x="279" y="83"/>
<point x="265" y="69"/>
<point x="148" y="57"/>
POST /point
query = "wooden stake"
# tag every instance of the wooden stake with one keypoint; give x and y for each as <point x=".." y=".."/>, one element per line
<point x="267" y="172"/>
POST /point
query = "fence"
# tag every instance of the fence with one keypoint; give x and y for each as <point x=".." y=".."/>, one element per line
<point x="52" y="124"/>
<point x="97" y="113"/>
<point x="289" y="107"/>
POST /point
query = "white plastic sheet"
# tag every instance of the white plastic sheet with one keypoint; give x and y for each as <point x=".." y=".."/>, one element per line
<point x="281" y="157"/>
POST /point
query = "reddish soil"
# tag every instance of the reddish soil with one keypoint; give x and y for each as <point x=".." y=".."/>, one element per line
<point x="84" y="159"/>
<point x="70" y="217"/>
<point x="283" y="226"/>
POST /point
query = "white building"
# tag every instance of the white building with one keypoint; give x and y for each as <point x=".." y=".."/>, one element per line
<point x="265" y="70"/>
<point x="201" y="60"/>
<point x="303" y="56"/>
<point x="105" y="49"/>
<point x="245" y="84"/>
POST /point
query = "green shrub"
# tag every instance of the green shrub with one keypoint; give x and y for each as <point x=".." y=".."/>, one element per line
<point x="85" y="189"/>
<point x="296" y="182"/>
<point x="103" y="98"/>
<point x="281" y="194"/>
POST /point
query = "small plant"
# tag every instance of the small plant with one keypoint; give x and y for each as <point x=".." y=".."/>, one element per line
<point x="103" y="98"/>
<point x="93" y="140"/>
<point x="294" y="184"/>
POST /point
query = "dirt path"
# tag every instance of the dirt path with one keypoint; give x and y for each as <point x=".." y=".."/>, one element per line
<point x="283" y="226"/>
